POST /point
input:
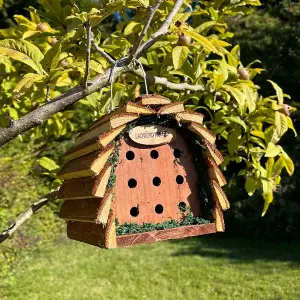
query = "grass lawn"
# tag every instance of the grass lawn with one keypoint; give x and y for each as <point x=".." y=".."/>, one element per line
<point x="210" y="267"/>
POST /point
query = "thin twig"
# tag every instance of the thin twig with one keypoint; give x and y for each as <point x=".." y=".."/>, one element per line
<point x="162" y="30"/>
<point x="103" y="53"/>
<point x="27" y="215"/>
<point x="153" y="9"/>
<point x="48" y="93"/>
<point x="88" y="52"/>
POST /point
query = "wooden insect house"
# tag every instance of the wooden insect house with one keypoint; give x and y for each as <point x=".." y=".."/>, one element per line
<point x="146" y="172"/>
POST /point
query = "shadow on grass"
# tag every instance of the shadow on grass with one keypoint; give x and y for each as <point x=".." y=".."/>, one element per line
<point x="240" y="250"/>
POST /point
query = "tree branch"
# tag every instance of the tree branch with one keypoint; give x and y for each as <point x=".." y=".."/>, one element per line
<point x="88" y="51"/>
<point x="44" y="112"/>
<point x="153" y="10"/>
<point x="103" y="53"/>
<point x="162" y="30"/>
<point x="27" y="215"/>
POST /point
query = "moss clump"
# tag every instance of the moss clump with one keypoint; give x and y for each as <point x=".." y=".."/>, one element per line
<point x="129" y="228"/>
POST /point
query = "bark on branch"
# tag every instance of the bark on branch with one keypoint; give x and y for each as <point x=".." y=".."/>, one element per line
<point x="27" y="215"/>
<point x="44" y="112"/>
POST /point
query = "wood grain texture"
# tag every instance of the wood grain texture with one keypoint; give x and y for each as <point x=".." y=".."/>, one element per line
<point x="218" y="217"/>
<point x="202" y="132"/>
<point x="97" y="143"/>
<point x="129" y="107"/>
<point x="85" y="166"/>
<point x="171" y="108"/>
<point x="212" y="152"/>
<point x="146" y="196"/>
<point x="94" y="210"/>
<point x="214" y="173"/>
<point x="113" y="122"/>
<point x="152" y="100"/>
<point x="218" y="195"/>
<point x="86" y="187"/>
<point x="163" y="235"/>
<point x="188" y="117"/>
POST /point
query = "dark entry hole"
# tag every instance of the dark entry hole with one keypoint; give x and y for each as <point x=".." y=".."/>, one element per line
<point x="156" y="181"/>
<point x="177" y="153"/>
<point x="179" y="179"/>
<point x="182" y="206"/>
<point x="159" y="209"/>
<point x="154" y="154"/>
<point x="134" y="212"/>
<point x="132" y="183"/>
<point x="130" y="155"/>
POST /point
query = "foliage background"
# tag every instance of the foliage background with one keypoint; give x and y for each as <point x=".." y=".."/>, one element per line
<point x="270" y="34"/>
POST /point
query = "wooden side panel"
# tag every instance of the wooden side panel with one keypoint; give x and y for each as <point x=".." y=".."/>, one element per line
<point x="94" y="234"/>
<point x="89" y="233"/>
<point x="87" y="165"/>
<point x="87" y="210"/>
<point x="86" y="187"/>
<point x="167" y="234"/>
<point x="151" y="184"/>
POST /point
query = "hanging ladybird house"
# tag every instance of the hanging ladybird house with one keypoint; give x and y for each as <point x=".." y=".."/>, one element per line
<point x="146" y="172"/>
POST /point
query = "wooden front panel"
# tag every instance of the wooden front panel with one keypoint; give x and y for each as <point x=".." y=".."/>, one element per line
<point x="149" y="183"/>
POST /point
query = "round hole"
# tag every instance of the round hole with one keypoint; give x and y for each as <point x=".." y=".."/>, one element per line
<point x="134" y="211"/>
<point x="177" y="153"/>
<point x="156" y="181"/>
<point x="130" y="155"/>
<point x="159" y="209"/>
<point x="132" y="183"/>
<point x="182" y="206"/>
<point x="179" y="179"/>
<point x="154" y="154"/>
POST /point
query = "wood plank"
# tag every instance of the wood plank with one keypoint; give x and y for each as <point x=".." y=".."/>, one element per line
<point x="86" y="187"/>
<point x="171" y="108"/>
<point x="129" y="107"/>
<point x="152" y="100"/>
<point x="212" y="152"/>
<point x="97" y="143"/>
<point x="219" y="218"/>
<point x="203" y="132"/>
<point x="214" y="173"/>
<point x="218" y="195"/>
<point x="167" y="234"/>
<point x="188" y="117"/>
<point x="94" y="210"/>
<point x="114" y="122"/>
<point x="93" y="234"/>
<point x="87" y="165"/>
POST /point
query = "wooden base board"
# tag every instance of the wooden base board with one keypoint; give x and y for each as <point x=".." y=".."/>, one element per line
<point x="167" y="234"/>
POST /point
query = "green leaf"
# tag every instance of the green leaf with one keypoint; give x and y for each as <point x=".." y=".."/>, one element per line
<point x="289" y="165"/>
<point x="291" y="125"/>
<point x="278" y="166"/>
<point x="1" y="3"/>
<point x="281" y="123"/>
<point x="267" y="194"/>
<point x="218" y="80"/>
<point x="278" y="90"/>
<point x="207" y="25"/>
<point x="258" y="134"/>
<point x="233" y="141"/>
<point x="179" y="56"/>
<point x="237" y="94"/>
<point x="26" y="82"/>
<point x="238" y="120"/>
<point x="250" y="185"/>
<point x="269" y="167"/>
<point x="23" y="51"/>
<point x="132" y="28"/>
<point x="206" y="43"/>
<point x="250" y="97"/>
<point x="272" y="150"/>
<point x="48" y="163"/>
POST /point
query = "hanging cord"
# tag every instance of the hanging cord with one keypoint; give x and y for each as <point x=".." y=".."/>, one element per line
<point x="112" y="79"/>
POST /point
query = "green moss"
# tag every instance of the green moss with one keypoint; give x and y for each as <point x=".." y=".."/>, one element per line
<point x="129" y="228"/>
